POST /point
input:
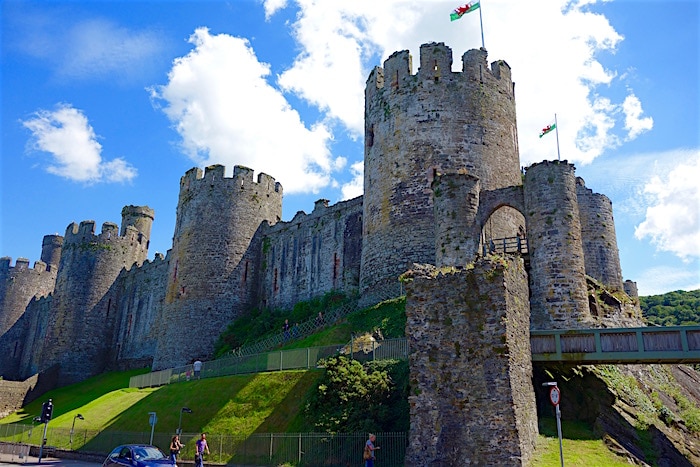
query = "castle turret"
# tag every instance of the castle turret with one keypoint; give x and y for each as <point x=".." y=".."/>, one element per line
<point x="141" y="218"/>
<point x="211" y="274"/>
<point x="599" y="239"/>
<point x="80" y="329"/>
<point x="19" y="284"/>
<point x="416" y="126"/>
<point x="51" y="248"/>
<point x="456" y="203"/>
<point x="557" y="271"/>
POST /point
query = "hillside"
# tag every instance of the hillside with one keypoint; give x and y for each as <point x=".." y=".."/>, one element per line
<point x="679" y="308"/>
<point x="610" y="413"/>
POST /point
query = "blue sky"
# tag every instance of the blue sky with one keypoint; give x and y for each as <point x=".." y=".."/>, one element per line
<point x="108" y="103"/>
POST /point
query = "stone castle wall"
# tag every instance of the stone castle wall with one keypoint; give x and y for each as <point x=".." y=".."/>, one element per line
<point x="417" y="125"/>
<point x="19" y="284"/>
<point x="557" y="273"/>
<point x="312" y="254"/>
<point x="80" y="331"/>
<point x="599" y="238"/>
<point x="471" y="396"/>
<point x="212" y="264"/>
<point x="140" y="293"/>
<point x="442" y="175"/>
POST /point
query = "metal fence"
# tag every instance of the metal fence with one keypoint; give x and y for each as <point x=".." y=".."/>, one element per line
<point x="294" y="359"/>
<point x="299" y="449"/>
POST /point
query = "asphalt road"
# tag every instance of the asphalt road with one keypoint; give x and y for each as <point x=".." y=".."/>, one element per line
<point x="7" y="460"/>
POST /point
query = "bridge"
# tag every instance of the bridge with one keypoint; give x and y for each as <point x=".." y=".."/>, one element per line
<point x="671" y="344"/>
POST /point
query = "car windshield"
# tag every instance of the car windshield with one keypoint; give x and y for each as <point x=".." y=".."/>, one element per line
<point x="148" y="453"/>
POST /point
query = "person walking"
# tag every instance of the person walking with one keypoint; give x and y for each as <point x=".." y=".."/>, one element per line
<point x="197" y="366"/>
<point x="201" y="448"/>
<point x="368" y="455"/>
<point x="175" y="447"/>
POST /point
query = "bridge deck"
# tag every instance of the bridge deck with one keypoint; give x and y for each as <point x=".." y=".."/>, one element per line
<point x="672" y="344"/>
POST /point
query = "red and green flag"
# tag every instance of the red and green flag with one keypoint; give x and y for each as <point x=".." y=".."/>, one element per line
<point x="463" y="10"/>
<point x="547" y="129"/>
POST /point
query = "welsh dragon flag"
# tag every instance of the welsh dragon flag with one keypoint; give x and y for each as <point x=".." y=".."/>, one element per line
<point x="547" y="129"/>
<point x="463" y="10"/>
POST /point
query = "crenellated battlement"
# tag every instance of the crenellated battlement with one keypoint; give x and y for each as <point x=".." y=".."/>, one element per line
<point x="22" y="264"/>
<point x="435" y="68"/>
<point x="242" y="179"/>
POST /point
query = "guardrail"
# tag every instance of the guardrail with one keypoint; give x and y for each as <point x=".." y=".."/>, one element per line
<point x="294" y="359"/>
<point x="671" y="344"/>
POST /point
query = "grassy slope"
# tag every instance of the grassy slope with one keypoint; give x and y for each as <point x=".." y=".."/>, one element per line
<point x="268" y="402"/>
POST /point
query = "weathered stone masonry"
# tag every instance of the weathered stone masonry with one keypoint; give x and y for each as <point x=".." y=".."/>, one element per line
<point x="442" y="178"/>
<point x="471" y="396"/>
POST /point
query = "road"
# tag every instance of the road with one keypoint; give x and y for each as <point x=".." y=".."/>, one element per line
<point x="8" y="460"/>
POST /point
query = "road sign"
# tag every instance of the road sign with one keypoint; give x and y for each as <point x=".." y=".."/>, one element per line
<point x="554" y="395"/>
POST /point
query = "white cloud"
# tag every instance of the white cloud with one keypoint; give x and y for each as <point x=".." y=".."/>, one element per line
<point x="66" y="134"/>
<point x="635" y="125"/>
<point x="673" y="215"/>
<point x="226" y="112"/>
<point x="552" y="50"/>
<point x="662" y="279"/>
<point x="271" y="7"/>
<point x="354" y="187"/>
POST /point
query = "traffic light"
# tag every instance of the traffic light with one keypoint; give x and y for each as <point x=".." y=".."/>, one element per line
<point x="46" y="411"/>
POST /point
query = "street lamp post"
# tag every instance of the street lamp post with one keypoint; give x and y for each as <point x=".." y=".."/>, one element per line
<point x="179" y="425"/>
<point x="72" y="429"/>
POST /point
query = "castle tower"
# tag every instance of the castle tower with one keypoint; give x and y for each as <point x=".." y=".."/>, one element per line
<point x="140" y="217"/>
<point x="51" y="248"/>
<point x="19" y="284"/>
<point x="599" y="239"/>
<point x="416" y="126"/>
<point x="557" y="273"/>
<point x="80" y="327"/>
<point x="212" y="269"/>
<point x="456" y="202"/>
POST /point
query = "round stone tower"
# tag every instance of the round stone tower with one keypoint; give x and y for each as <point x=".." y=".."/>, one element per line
<point x="599" y="238"/>
<point x="80" y="326"/>
<point x="212" y="265"/>
<point x="456" y="203"/>
<point x="140" y="217"/>
<point x="415" y="127"/>
<point x="557" y="271"/>
<point x="51" y="248"/>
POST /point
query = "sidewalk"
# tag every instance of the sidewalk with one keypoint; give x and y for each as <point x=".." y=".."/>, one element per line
<point x="11" y="460"/>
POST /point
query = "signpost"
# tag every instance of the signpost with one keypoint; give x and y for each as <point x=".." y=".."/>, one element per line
<point x="46" y="414"/>
<point x="555" y="398"/>
<point x="152" y="420"/>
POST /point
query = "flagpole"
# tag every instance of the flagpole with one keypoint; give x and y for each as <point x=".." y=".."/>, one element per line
<point x="481" y="23"/>
<point x="556" y="128"/>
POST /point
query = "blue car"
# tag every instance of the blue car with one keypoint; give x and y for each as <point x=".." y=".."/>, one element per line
<point x="136" y="455"/>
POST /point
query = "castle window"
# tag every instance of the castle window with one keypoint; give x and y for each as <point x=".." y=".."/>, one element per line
<point x="109" y="305"/>
<point x="275" y="287"/>
<point x="245" y="272"/>
<point x="370" y="136"/>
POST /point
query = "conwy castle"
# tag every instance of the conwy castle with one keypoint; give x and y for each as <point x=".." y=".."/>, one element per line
<point x="443" y="186"/>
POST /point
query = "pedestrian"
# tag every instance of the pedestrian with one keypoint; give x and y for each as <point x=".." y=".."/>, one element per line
<point x="201" y="448"/>
<point x="175" y="447"/>
<point x="368" y="455"/>
<point x="285" y="328"/>
<point x="197" y="366"/>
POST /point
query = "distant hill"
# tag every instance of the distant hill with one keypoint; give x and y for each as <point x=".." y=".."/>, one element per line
<point x="679" y="308"/>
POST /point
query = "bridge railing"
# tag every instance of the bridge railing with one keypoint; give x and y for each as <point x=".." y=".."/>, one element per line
<point x="671" y="344"/>
<point x="509" y="245"/>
